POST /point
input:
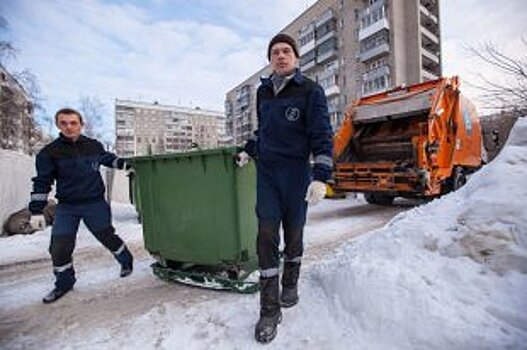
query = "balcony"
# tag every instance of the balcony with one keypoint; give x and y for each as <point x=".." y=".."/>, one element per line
<point x="430" y="55"/>
<point x="430" y="5"/>
<point x="431" y="36"/>
<point x="307" y="66"/>
<point x="429" y="16"/>
<point x="307" y="60"/>
<point x="328" y="15"/>
<point x="306" y="39"/>
<point x="426" y="75"/>
<point x="378" y="84"/>
<point x="327" y="55"/>
<point x="431" y="67"/>
<point x="244" y="101"/>
<point x="307" y="47"/>
<point x="332" y="90"/>
<point x="376" y="73"/>
<point x="327" y="36"/>
<point x="374" y="52"/>
<point x="373" y="28"/>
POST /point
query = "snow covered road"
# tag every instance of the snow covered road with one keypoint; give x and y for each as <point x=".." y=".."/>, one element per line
<point x="102" y="302"/>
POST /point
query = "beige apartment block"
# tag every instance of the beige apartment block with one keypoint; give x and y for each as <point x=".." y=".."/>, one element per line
<point x="18" y="129"/>
<point x="153" y="128"/>
<point x="352" y="48"/>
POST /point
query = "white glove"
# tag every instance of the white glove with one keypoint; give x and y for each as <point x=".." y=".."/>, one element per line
<point x="38" y="222"/>
<point x="315" y="192"/>
<point x="128" y="170"/>
<point x="242" y="159"/>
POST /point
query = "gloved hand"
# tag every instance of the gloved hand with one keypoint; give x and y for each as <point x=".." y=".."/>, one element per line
<point x="37" y="222"/>
<point x="315" y="192"/>
<point x="129" y="171"/>
<point x="242" y="158"/>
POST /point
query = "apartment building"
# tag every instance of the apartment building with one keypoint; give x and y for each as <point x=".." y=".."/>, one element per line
<point x="18" y="130"/>
<point x="352" y="48"/>
<point x="152" y="128"/>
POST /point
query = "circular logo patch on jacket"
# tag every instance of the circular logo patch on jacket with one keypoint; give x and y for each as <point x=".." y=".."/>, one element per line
<point x="292" y="114"/>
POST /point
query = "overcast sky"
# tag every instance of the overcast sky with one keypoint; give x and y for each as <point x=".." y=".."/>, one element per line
<point x="191" y="53"/>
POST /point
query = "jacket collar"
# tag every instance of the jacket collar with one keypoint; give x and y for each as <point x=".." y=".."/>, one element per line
<point x="64" y="139"/>
<point x="298" y="79"/>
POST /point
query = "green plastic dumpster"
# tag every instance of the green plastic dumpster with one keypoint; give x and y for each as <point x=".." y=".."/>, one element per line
<point x="197" y="208"/>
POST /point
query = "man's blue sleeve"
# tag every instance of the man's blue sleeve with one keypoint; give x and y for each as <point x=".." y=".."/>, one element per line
<point x="251" y="146"/>
<point x="42" y="182"/>
<point x="320" y="135"/>
<point x="110" y="160"/>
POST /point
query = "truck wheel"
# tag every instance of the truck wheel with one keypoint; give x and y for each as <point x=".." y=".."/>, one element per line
<point x="378" y="198"/>
<point x="455" y="181"/>
<point x="459" y="178"/>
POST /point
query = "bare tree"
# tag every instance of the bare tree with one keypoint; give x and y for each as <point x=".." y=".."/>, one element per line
<point x="7" y="50"/>
<point x="19" y="99"/>
<point x="509" y="93"/>
<point x="93" y="111"/>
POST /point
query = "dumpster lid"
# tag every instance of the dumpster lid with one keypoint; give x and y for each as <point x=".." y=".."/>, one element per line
<point x="190" y="154"/>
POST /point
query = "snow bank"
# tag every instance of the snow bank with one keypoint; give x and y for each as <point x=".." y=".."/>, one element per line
<point x="494" y="227"/>
<point x="450" y="274"/>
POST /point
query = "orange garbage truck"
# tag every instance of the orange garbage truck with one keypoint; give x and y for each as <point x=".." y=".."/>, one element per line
<point x="415" y="141"/>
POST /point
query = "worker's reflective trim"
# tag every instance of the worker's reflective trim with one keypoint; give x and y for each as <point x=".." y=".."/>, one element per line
<point x="120" y="250"/>
<point x="298" y="259"/>
<point x="62" y="268"/>
<point x="269" y="272"/>
<point x="39" y="196"/>
<point x="323" y="159"/>
<point x="115" y="163"/>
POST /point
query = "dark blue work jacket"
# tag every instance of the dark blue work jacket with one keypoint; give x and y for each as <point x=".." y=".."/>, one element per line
<point x="292" y="125"/>
<point x="74" y="165"/>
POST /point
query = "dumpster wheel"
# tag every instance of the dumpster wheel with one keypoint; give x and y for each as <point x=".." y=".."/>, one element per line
<point x="199" y="276"/>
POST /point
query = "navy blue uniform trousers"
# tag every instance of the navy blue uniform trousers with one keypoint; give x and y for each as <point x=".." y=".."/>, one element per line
<point x="97" y="217"/>
<point x="280" y="200"/>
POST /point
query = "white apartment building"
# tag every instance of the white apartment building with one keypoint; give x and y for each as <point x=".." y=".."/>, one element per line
<point x="152" y="128"/>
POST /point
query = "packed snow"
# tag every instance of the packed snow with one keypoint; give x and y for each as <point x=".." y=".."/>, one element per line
<point x="450" y="274"/>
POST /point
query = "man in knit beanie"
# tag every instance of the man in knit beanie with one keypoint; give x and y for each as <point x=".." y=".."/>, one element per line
<point x="293" y="124"/>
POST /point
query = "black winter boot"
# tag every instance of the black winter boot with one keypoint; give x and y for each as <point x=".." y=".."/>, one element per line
<point x="64" y="281"/>
<point x="125" y="258"/>
<point x="55" y="295"/>
<point x="270" y="314"/>
<point x="289" y="296"/>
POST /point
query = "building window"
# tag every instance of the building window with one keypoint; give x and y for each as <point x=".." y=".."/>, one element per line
<point x="305" y="39"/>
<point x="328" y="82"/>
<point x="372" y="16"/>
<point x="327" y="46"/>
<point x="324" y="29"/>
<point x="378" y="63"/>
<point x="374" y="41"/>
<point x="307" y="57"/>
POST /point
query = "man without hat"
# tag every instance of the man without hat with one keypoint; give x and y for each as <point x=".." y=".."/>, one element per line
<point x="72" y="163"/>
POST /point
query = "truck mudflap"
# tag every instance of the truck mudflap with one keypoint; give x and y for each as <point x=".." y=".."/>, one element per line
<point x="233" y="280"/>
